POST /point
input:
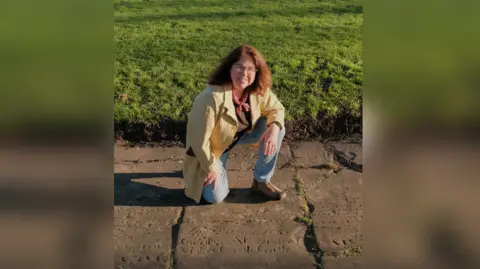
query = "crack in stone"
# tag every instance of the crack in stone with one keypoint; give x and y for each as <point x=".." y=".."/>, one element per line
<point x="310" y="239"/>
<point x="175" y="234"/>
<point x="290" y="163"/>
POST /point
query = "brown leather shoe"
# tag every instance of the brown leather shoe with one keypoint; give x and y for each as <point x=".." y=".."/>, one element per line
<point x="269" y="190"/>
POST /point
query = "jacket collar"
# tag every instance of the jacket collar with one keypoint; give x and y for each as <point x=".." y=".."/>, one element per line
<point x="228" y="103"/>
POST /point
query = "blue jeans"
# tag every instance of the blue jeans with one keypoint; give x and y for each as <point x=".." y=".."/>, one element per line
<point x="264" y="166"/>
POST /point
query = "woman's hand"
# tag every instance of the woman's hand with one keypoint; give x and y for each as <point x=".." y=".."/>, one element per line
<point x="270" y="138"/>
<point x="211" y="178"/>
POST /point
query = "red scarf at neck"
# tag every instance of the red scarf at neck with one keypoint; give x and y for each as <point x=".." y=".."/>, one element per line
<point x="241" y="103"/>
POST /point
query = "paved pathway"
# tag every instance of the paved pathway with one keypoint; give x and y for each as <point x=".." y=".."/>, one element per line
<point x="319" y="224"/>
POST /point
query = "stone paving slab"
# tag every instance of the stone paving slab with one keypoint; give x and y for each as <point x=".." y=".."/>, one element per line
<point x="163" y="154"/>
<point x="145" y="217"/>
<point x="140" y="154"/>
<point x="337" y="209"/>
<point x="242" y="204"/>
<point x="148" y="202"/>
<point x="244" y="231"/>
<point x="343" y="240"/>
<point x="132" y="154"/>
<point x="150" y="184"/>
<point x="243" y="157"/>
<point x="342" y="263"/>
<point x="139" y="243"/>
<point x="309" y="154"/>
<point x="259" y="245"/>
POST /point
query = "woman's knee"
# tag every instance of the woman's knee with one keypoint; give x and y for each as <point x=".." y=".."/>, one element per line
<point x="213" y="198"/>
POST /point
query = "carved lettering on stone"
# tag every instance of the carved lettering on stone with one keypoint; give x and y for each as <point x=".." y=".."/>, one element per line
<point x="201" y="241"/>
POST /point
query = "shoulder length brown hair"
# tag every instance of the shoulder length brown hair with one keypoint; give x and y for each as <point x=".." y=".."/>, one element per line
<point x="263" y="76"/>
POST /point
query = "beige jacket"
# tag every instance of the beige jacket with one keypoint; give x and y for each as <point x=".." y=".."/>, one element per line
<point x="211" y="127"/>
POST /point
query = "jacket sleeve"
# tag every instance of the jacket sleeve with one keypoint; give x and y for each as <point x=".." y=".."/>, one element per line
<point x="201" y="122"/>
<point x="272" y="109"/>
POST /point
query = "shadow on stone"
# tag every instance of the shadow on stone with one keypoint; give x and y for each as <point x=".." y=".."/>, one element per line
<point x="346" y="159"/>
<point x="321" y="167"/>
<point x="245" y="196"/>
<point x="329" y="168"/>
<point x="130" y="193"/>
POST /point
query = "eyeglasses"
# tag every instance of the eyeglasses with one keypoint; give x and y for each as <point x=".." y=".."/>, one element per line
<point x="240" y="68"/>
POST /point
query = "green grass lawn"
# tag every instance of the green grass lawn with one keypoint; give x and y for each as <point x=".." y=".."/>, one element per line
<point x="165" y="51"/>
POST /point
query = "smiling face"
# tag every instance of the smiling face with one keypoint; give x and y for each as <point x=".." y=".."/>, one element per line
<point x="243" y="72"/>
